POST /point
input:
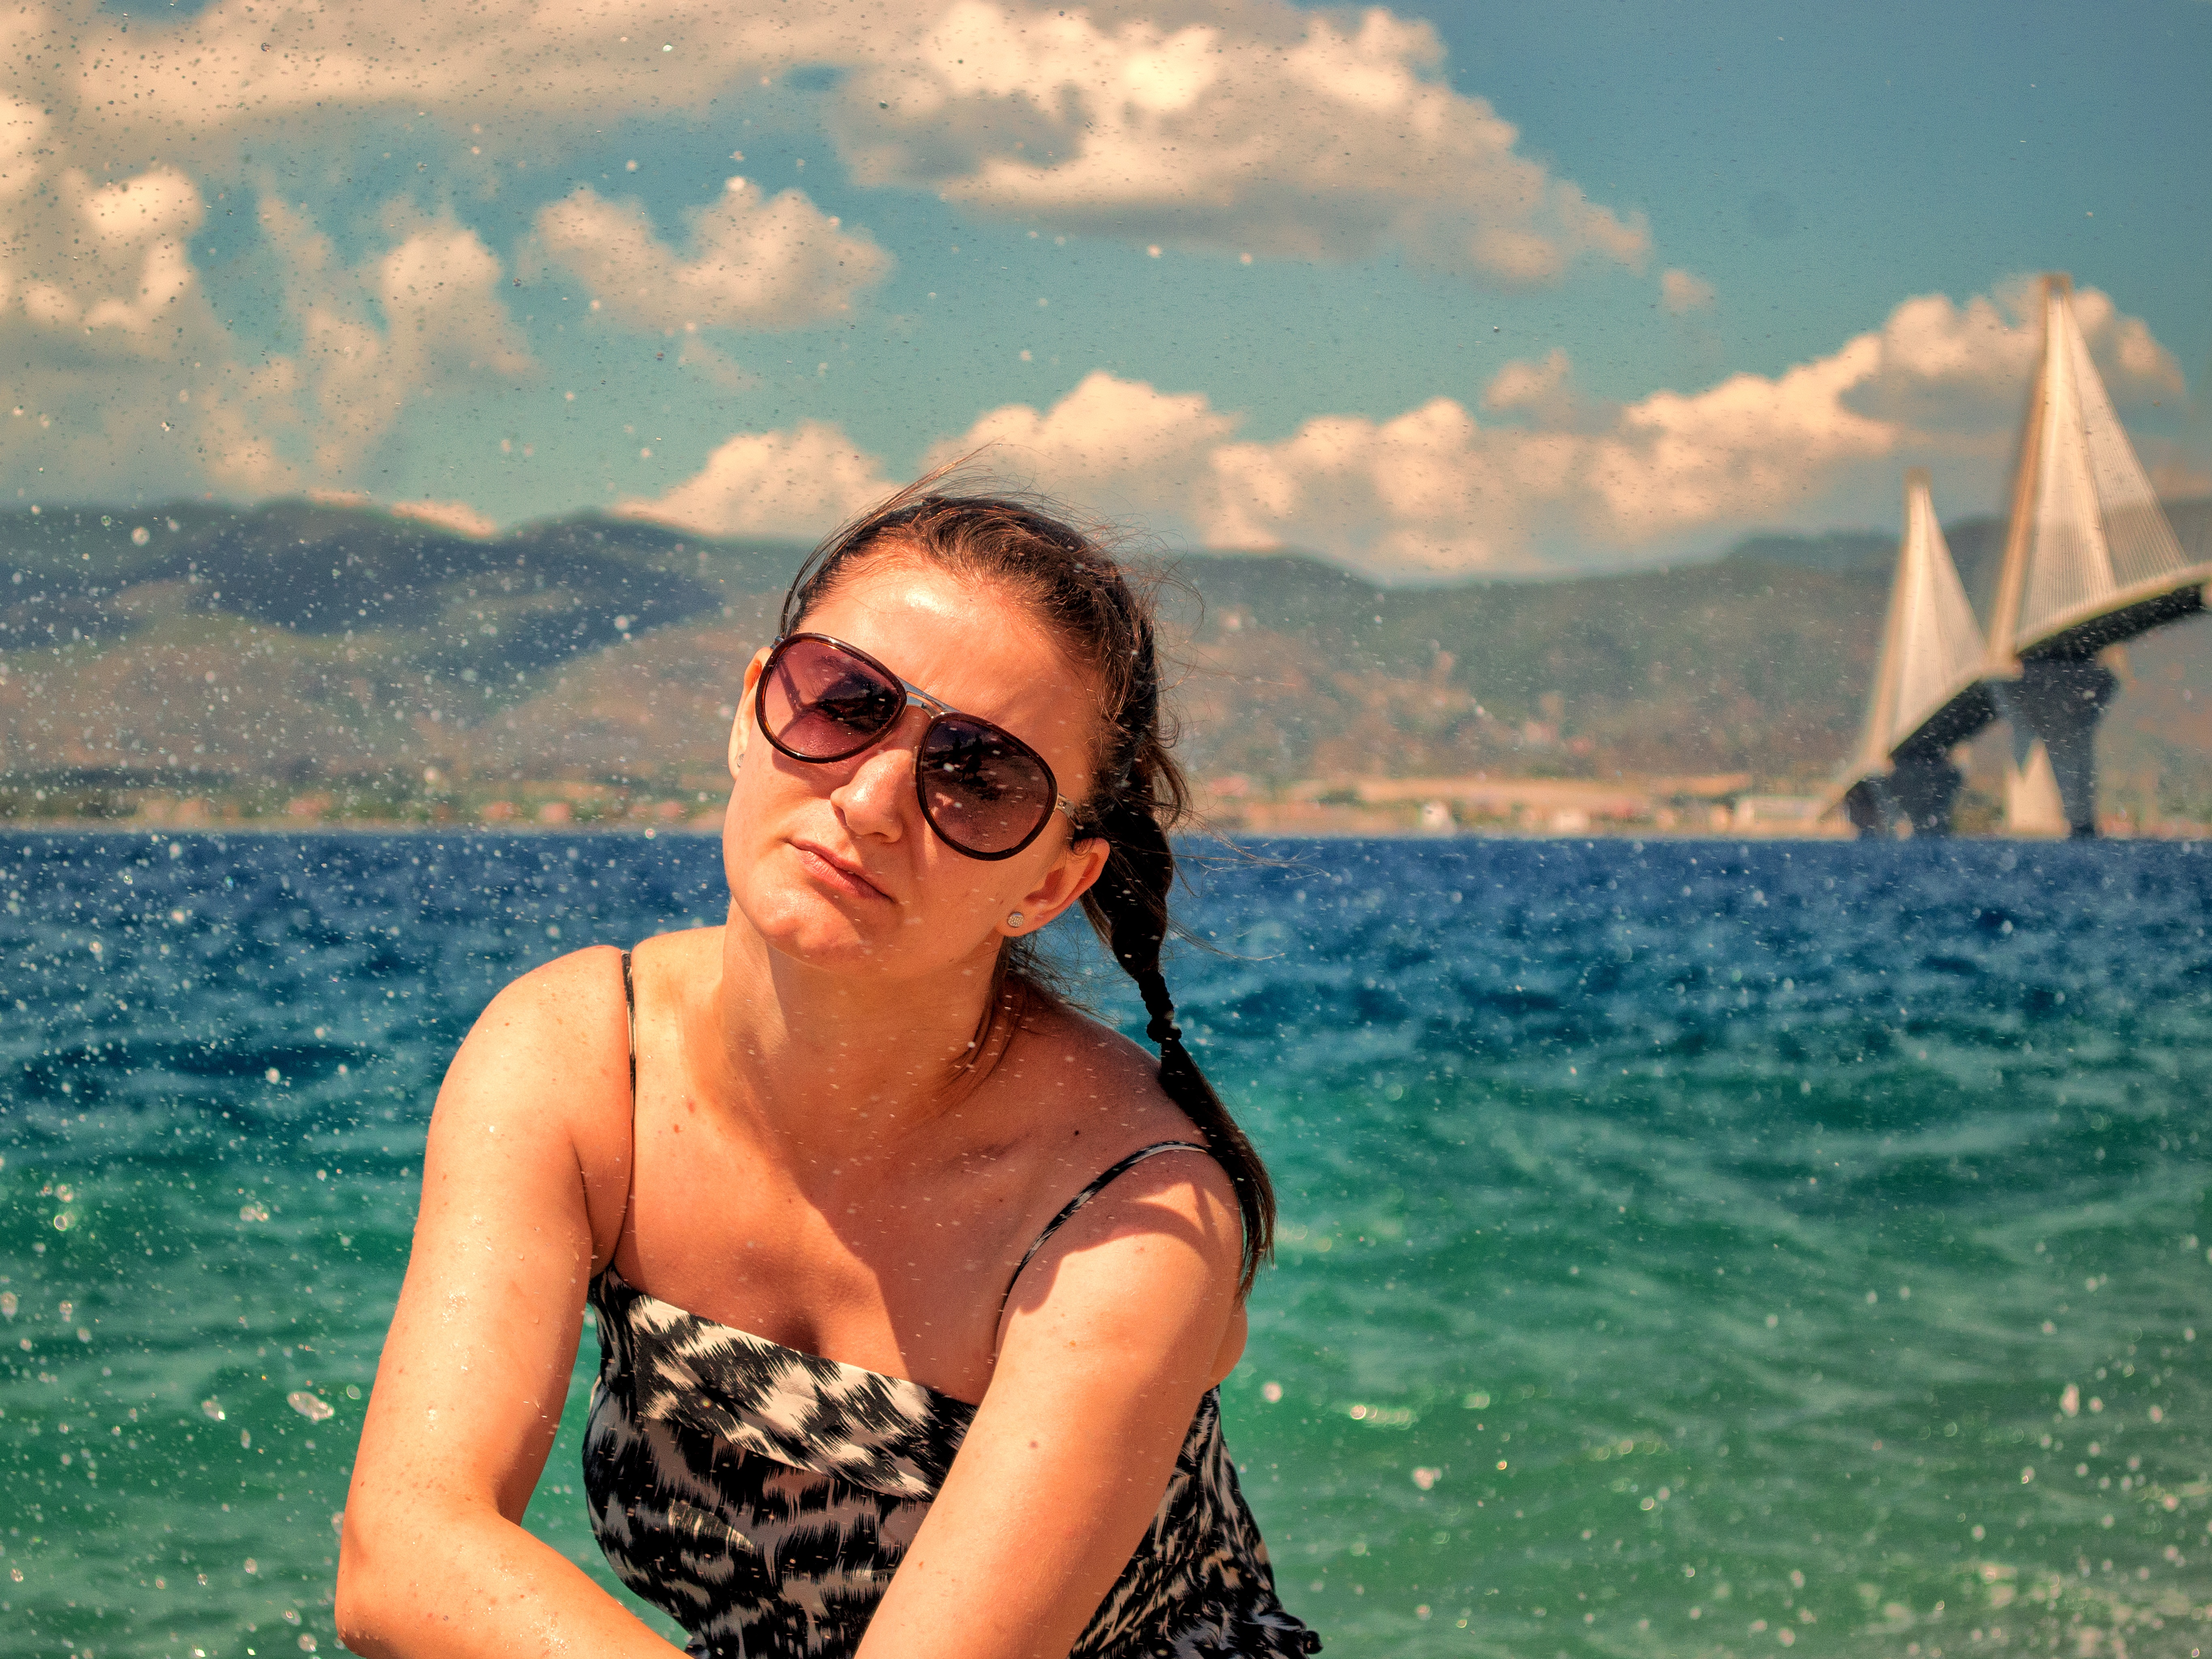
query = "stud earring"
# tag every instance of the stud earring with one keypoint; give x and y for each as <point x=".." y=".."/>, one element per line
<point x="1015" y="920"/>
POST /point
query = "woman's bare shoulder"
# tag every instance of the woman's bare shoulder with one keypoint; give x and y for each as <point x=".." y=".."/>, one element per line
<point x="1168" y="1223"/>
<point x="574" y="1003"/>
<point x="1108" y="1099"/>
<point x="545" y="1071"/>
<point x="1083" y="1055"/>
<point x="551" y="1049"/>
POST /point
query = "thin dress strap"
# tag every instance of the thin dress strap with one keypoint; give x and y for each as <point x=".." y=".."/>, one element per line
<point x="1105" y="1179"/>
<point x="630" y="1001"/>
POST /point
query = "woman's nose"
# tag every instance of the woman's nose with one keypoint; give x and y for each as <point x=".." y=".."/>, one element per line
<point x="874" y="798"/>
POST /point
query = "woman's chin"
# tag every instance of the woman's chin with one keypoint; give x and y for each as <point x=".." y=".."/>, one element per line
<point x="814" y="929"/>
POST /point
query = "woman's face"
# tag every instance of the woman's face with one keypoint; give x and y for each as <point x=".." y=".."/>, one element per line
<point x="834" y="864"/>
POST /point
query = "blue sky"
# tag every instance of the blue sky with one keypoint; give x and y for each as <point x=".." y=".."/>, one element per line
<point x="1433" y="290"/>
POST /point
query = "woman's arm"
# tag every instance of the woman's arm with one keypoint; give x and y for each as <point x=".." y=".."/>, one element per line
<point x="434" y="1560"/>
<point x="1116" y="1333"/>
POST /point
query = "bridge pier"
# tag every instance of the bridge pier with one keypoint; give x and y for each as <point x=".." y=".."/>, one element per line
<point x="1923" y="788"/>
<point x="1918" y="794"/>
<point x="2051" y="787"/>
<point x="1867" y="810"/>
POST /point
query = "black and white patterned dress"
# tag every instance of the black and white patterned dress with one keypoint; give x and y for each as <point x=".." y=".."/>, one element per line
<point x="763" y="1497"/>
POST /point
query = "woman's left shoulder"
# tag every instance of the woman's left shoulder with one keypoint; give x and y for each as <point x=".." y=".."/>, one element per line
<point x="1105" y="1104"/>
<point x="1083" y="1053"/>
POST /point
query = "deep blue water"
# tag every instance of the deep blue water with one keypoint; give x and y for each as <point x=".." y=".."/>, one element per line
<point x="1688" y="1248"/>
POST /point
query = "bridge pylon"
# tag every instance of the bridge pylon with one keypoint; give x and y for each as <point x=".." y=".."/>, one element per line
<point x="2090" y="560"/>
<point x="1928" y="694"/>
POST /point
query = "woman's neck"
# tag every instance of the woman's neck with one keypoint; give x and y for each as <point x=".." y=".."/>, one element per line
<point x="840" y="1058"/>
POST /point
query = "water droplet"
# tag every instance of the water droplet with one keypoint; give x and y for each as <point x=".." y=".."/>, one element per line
<point x="308" y="1407"/>
<point x="213" y="1408"/>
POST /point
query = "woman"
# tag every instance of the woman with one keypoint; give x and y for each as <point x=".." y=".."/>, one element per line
<point x="899" y="1264"/>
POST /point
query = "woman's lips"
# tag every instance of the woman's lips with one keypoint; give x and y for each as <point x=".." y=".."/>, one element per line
<point x="834" y="872"/>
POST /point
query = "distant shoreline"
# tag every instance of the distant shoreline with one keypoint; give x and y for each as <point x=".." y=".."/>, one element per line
<point x="658" y="832"/>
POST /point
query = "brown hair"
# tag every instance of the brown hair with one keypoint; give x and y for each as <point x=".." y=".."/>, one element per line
<point x="1137" y="793"/>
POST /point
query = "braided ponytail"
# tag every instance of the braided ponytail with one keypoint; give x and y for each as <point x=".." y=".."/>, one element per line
<point x="1081" y="591"/>
<point x="1129" y="906"/>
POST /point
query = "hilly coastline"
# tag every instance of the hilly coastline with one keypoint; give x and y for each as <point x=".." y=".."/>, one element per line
<point x="304" y="662"/>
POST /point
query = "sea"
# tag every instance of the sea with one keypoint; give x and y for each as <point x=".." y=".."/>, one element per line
<point x="1688" y="1247"/>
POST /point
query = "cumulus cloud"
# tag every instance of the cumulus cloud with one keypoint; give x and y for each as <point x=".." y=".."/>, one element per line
<point x="101" y="272"/>
<point x="1557" y="479"/>
<point x="798" y="481"/>
<point x="424" y="317"/>
<point x="1543" y="394"/>
<point x="756" y="263"/>
<point x="1249" y="125"/>
<point x="1110" y="444"/>
<point x="1956" y="369"/>
<point x="1680" y="292"/>
<point x="1434" y="490"/>
<point x="1256" y="127"/>
<point x="456" y="516"/>
<point x="129" y="380"/>
<point x="116" y="358"/>
<point x="1252" y="126"/>
<point x="22" y="126"/>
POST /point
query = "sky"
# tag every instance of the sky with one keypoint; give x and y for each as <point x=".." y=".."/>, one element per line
<point x="1434" y="292"/>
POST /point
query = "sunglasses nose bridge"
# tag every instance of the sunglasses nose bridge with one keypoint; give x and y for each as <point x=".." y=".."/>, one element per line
<point x="918" y="698"/>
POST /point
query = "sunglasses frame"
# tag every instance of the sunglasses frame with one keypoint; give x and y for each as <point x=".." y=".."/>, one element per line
<point x="939" y="710"/>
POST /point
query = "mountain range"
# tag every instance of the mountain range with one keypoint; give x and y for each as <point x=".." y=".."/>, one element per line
<point x="346" y="661"/>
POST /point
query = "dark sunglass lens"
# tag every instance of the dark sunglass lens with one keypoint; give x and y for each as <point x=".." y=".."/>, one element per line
<point x="822" y="703"/>
<point x="983" y="791"/>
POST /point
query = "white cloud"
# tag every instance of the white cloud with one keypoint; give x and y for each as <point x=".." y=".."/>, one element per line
<point x="1256" y="126"/>
<point x="1563" y="480"/>
<point x="456" y="516"/>
<point x="1544" y="393"/>
<point x="1238" y="124"/>
<point x="1110" y="444"/>
<point x="1959" y="370"/>
<point x="1400" y="495"/>
<point x="1433" y="490"/>
<point x="1248" y="125"/>
<point x="22" y="126"/>
<point x="798" y="481"/>
<point x="115" y="357"/>
<point x="1680" y="291"/>
<point x="440" y="291"/>
<point x="130" y="382"/>
<point x="101" y="271"/>
<point x="422" y="318"/>
<point x="756" y="264"/>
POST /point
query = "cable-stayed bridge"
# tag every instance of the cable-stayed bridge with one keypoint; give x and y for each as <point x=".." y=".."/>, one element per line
<point x="2090" y="561"/>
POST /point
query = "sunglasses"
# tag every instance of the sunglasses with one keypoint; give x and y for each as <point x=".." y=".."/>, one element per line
<point x="984" y="791"/>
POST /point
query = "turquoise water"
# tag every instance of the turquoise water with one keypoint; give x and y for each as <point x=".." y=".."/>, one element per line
<point x="1688" y="1248"/>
